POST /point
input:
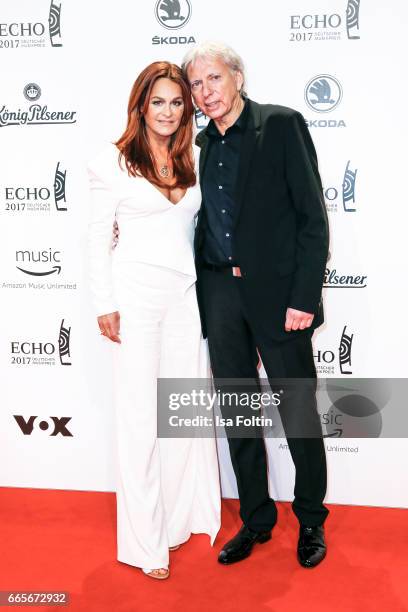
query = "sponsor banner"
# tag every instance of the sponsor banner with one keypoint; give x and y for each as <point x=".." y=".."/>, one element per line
<point x="172" y="17"/>
<point x="39" y="27"/>
<point x="336" y="360"/>
<point x="323" y="94"/>
<point x="54" y="350"/>
<point x="49" y="195"/>
<point x="340" y="21"/>
<point x="33" y="112"/>
<point x="334" y="279"/>
<point x="41" y="425"/>
<point x="341" y="197"/>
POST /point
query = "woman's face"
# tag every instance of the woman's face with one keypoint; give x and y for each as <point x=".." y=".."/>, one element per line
<point x="165" y="108"/>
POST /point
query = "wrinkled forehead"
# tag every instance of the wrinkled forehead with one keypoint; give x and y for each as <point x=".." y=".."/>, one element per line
<point x="203" y="67"/>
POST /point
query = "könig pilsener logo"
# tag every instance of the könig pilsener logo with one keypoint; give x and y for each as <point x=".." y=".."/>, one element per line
<point x="32" y="91"/>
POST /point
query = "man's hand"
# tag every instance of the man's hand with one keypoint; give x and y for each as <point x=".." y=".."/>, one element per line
<point x="296" y="319"/>
<point x="109" y="325"/>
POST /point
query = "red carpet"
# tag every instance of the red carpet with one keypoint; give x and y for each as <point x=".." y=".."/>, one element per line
<point x="65" y="541"/>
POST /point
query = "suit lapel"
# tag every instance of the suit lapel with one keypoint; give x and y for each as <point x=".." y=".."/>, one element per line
<point x="249" y="139"/>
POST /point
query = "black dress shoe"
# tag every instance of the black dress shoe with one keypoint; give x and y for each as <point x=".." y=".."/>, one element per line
<point x="241" y="545"/>
<point x="311" y="546"/>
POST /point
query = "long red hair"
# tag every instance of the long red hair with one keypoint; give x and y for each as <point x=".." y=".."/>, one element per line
<point x="133" y="144"/>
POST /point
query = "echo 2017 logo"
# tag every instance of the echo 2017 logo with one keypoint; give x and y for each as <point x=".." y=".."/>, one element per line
<point x="29" y="352"/>
<point x="352" y="19"/>
<point x="326" y="27"/>
<point x="173" y="15"/>
<point x="40" y="197"/>
<point x="33" y="34"/>
<point x="346" y="193"/>
<point x="54" y="24"/>
<point x="325" y="360"/>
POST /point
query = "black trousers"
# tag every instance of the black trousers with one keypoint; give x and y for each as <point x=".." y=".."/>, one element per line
<point x="234" y="348"/>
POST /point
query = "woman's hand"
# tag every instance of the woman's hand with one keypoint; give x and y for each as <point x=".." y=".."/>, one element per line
<point x="109" y="325"/>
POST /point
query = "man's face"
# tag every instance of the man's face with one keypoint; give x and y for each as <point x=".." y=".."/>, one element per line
<point x="214" y="87"/>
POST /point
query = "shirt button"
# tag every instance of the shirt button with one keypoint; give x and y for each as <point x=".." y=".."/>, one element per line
<point x="222" y="141"/>
<point x="230" y="258"/>
<point x="220" y="163"/>
<point x="223" y="211"/>
<point x="219" y="186"/>
<point x="227" y="235"/>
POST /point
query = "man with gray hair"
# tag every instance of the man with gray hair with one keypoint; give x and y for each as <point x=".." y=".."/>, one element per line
<point x="261" y="247"/>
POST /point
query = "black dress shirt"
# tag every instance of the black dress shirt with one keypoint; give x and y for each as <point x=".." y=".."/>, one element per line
<point x="218" y="187"/>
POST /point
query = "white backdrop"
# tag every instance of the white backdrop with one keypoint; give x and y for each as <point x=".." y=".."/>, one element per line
<point x="79" y="68"/>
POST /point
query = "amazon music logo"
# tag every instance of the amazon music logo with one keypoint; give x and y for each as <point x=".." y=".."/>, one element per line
<point x="38" y="198"/>
<point x="327" y="27"/>
<point x="49" y="352"/>
<point x="336" y="360"/>
<point x="39" y="263"/>
<point x="44" y="32"/>
<point x="343" y="196"/>
<point x="354" y="409"/>
<point x="332" y="423"/>
<point x="173" y="15"/>
<point x="54" y="425"/>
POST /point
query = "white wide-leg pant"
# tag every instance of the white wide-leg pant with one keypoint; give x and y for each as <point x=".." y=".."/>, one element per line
<point x="167" y="489"/>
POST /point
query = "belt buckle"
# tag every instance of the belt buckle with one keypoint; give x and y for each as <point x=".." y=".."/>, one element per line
<point x="236" y="271"/>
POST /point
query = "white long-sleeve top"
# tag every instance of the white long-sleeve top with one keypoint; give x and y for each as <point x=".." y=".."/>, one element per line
<point x="151" y="229"/>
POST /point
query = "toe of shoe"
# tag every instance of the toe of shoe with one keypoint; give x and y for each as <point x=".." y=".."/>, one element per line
<point x="312" y="558"/>
<point x="223" y="557"/>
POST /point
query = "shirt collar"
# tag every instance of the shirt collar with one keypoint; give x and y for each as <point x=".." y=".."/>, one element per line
<point x="240" y="123"/>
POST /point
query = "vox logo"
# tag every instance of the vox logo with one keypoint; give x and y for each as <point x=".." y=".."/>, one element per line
<point x="56" y="425"/>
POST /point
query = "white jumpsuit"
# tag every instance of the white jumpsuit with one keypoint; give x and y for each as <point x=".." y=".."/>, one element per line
<point x="167" y="488"/>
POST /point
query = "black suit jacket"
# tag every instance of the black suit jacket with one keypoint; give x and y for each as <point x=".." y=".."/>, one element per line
<point x="280" y="236"/>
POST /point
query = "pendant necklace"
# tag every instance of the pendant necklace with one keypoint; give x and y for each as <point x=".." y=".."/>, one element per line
<point x="164" y="169"/>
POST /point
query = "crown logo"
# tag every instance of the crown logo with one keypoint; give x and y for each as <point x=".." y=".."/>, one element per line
<point x="32" y="91"/>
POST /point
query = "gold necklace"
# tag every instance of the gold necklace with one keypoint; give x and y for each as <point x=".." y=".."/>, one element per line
<point x="164" y="169"/>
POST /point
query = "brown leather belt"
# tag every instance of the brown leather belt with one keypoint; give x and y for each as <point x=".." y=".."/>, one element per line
<point x="228" y="270"/>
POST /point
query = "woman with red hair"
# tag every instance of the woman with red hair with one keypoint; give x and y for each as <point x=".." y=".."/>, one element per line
<point x="144" y="292"/>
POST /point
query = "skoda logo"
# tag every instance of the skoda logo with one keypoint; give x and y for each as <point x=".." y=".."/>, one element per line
<point x="32" y="92"/>
<point x="323" y="93"/>
<point x="173" y="14"/>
